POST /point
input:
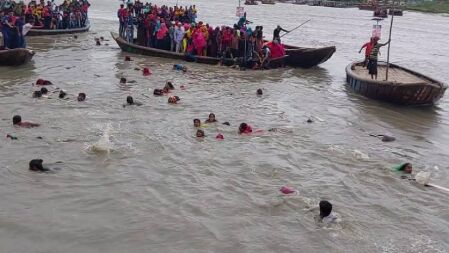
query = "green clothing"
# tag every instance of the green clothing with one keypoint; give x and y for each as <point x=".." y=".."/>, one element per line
<point x="375" y="52"/>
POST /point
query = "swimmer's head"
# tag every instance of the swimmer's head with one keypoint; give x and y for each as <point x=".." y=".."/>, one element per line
<point x="37" y="94"/>
<point x="212" y="117"/>
<point x="325" y="208"/>
<point x="81" y="96"/>
<point x="36" y="165"/>
<point x="158" y="92"/>
<point x="172" y="100"/>
<point x="127" y="58"/>
<point x="184" y="69"/>
<point x="199" y="133"/>
<point x="122" y="80"/>
<point x="17" y="119"/>
<point x="259" y="92"/>
<point x="62" y="94"/>
<point x="129" y="100"/>
<point x="243" y="127"/>
<point x="44" y="90"/>
<point x="407" y="168"/>
<point x="196" y="122"/>
<point x="169" y="86"/>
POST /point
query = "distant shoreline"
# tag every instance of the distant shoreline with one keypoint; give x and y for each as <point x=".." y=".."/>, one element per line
<point x="430" y="7"/>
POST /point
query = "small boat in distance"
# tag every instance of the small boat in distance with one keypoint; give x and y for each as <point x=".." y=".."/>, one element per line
<point x="268" y="1"/>
<point x="15" y="57"/>
<point x="42" y="32"/>
<point x="251" y="2"/>
<point x="404" y="86"/>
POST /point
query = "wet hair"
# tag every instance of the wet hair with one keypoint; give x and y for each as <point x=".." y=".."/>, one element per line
<point x="97" y="42"/>
<point x="158" y="92"/>
<point x="201" y="132"/>
<point x="46" y="82"/>
<point x="402" y="168"/>
<point x="325" y="208"/>
<point x="36" y="165"/>
<point x="196" y="120"/>
<point x="170" y="86"/>
<point x="127" y="58"/>
<point x="16" y="119"/>
<point x="226" y="123"/>
<point x="44" y="90"/>
<point x="62" y="94"/>
<point x="75" y="36"/>
<point x="177" y="98"/>
<point x="122" y="80"/>
<point x="37" y="94"/>
<point x="129" y="100"/>
<point x="259" y="92"/>
<point x="242" y="127"/>
<point x="81" y="96"/>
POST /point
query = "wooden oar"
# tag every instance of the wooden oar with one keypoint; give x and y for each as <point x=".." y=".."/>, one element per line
<point x="295" y="28"/>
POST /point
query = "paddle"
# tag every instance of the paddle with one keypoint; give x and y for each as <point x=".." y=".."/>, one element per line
<point x="295" y="28"/>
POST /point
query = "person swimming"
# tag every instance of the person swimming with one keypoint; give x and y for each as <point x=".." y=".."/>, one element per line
<point x="211" y="118"/>
<point x="158" y="92"/>
<point x="44" y="91"/>
<point x="259" y="92"/>
<point x="36" y="165"/>
<point x="81" y="97"/>
<point x="43" y="82"/>
<point x="200" y="133"/>
<point x="173" y="99"/>
<point x="169" y="86"/>
<point x="17" y="121"/>
<point x="180" y="67"/>
<point x="122" y="80"/>
<point x="406" y="168"/>
<point x="37" y="94"/>
<point x="197" y="123"/>
<point x="245" y="129"/>
<point x="62" y="94"/>
<point x="326" y="214"/>
<point x="130" y="101"/>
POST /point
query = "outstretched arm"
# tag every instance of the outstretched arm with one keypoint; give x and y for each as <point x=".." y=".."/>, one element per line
<point x="386" y="43"/>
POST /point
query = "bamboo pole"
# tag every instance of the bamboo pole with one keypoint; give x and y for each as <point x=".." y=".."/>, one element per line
<point x="389" y="39"/>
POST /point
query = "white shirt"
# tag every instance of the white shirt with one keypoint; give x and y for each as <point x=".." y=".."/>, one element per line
<point x="26" y="28"/>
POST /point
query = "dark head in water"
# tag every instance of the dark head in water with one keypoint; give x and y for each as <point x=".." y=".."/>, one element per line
<point x="158" y="92"/>
<point x="97" y="42"/>
<point x="211" y="118"/>
<point x="325" y="208"/>
<point x="17" y="119"/>
<point x="406" y="168"/>
<point x="62" y="94"/>
<point x="122" y="80"/>
<point x="36" y="165"/>
<point x="259" y="92"/>
<point x="44" y="90"/>
<point x="169" y="86"/>
<point x="196" y="123"/>
<point x="81" y="97"/>
<point x="199" y="133"/>
<point x="129" y="100"/>
<point x="37" y="94"/>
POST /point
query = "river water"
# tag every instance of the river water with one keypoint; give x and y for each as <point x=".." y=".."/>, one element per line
<point x="137" y="180"/>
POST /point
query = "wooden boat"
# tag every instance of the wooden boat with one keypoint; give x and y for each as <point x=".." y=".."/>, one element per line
<point x="41" y="32"/>
<point x="367" y="7"/>
<point x="307" y="57"/>
<point x="15" y="57"/>
<point x="405" y="87"/>
<point x="251" y="2"/>
<point x="136" y="49"/>
<point x="395" y="12"/>
<point x="380" y="13"/>
<point x="268" y="2"/>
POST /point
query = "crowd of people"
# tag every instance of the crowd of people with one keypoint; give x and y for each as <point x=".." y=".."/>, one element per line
<point x="175" y="29"/>
<point x="17" y="18"/>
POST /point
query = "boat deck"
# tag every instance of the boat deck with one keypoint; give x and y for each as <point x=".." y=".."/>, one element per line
<point x="394" y="75"/>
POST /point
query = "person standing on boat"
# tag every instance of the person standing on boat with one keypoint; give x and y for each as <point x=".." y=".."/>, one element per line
<point x="129" y="27"/>
<point x="277" y="32"/>
<point x="372" y="64"/>
<point x="121" y="17"/>
<point x="368" y="47"/>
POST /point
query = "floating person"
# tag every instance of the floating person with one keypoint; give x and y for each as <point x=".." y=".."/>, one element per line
<point x="245" y="129"/>
<point x="406" y="168"/>
<point x="43" y="82"/>
<point x="44" y="91"/>
<point x="62" y="94"/>
<point x="97" y="42"/>
<point x="81" y="96"/>
<point x="173" y="99"/>
<point x="259" y="92"/>
<point x="287" y="190"/>
<point x="200" y="133"/>
<point x="36" y="165"/>
<point x="158" y="92"/>
<point x="197" y="123"/>
<point x="37" y="94"/>
<point x="219" y="137"/>
<point x="180" y="67"/>
<point x="127" y="58"/>
<point x="384" y="138"/>
<point x="122" y="80"/>
<point x="12" y="137"/>
<point x="169" y="86"/>
<point x="226" y="123"/>
<point x="326" y="214"/>
<point x="17" y="121"/>
<point x="277" y="32"/>
<point x="309" y="120"/>
<point x="130" y="101"/>
<point x="211" y="118"/>
<point x="372" y="64"/>
<point x="146" y="71"/>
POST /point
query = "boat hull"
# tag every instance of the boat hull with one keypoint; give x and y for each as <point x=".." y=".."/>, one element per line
<point x="308" y="57"/>
<point x="427" y="92"/>
<point x="148" y="51"/>
<point x="42" y="32"/>
<point x="15" y="57"/>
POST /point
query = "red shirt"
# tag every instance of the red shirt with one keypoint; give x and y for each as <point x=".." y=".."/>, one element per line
<point x="368" y="47"/>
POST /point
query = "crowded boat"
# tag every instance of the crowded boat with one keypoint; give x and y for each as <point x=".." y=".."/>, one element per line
<point x="175" y="29"/>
